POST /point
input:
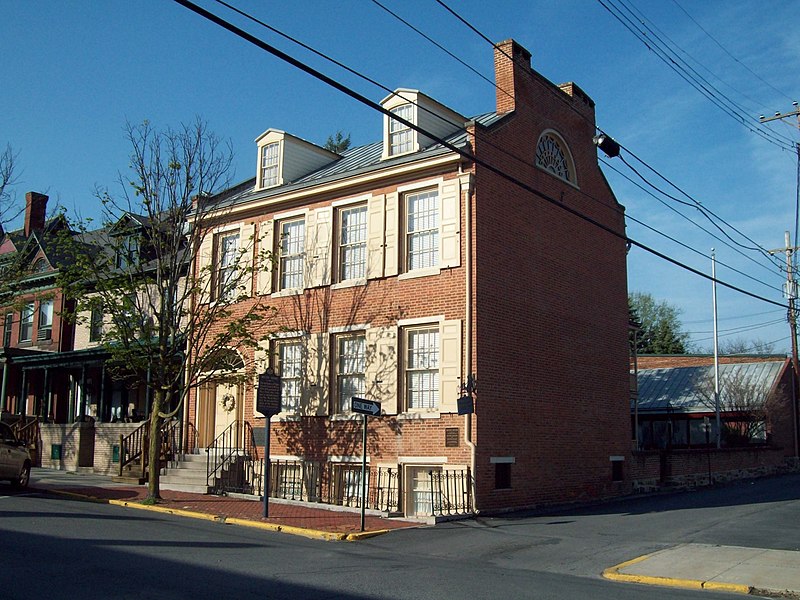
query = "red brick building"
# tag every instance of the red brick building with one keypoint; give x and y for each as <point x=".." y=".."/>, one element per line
<point x="405" y="273"/>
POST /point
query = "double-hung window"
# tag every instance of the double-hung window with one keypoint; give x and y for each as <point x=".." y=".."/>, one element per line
<point x="422" y="368"/>
<point x="9" y="320"/>
<point x="422" y="230"/>
<point x="45" y="320"/>
<point x="290" y="362"/>
<point x="96" y="324"/>
<point x="292" y="246"/>
<point x="352" y="242"/>
<point x="269" y="164"/>
<point x="401" y="136"/>
<point x="227" y="253"/>
<point x="351" y="361"/>
<point x="26" y="322"/>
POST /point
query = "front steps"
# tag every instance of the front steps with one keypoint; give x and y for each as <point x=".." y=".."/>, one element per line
<point x="188" y="475"/>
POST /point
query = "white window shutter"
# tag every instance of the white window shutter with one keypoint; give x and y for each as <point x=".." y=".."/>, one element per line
<point x="375" y="233"/>
<point x="450" y="237"/>
<point x="450" y="365"/>
<point x="320" y="259"/>
<point x="266" y="249"/>
<point x="247" y="243"/>
<point x="392" y="231"/>
<point x="381" y="371"/>
<point x="316" y="375"/>
<point x="310" y="227"/>
<point x="205" y="264"/>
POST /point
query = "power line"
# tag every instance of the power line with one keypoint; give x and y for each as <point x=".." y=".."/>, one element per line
<point x="725" y="50"/>
<point x="681" y="64"/>
<point x="708" y="212"/>
<point x="460" y="151"/>
<point x="758" y="314"/>
<point x="743" y="327"/>
<point x="710" y="94"/>
<point x="695" y="223"/>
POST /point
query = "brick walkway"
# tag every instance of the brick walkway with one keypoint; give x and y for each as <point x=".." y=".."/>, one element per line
<point x="284" y="515"/>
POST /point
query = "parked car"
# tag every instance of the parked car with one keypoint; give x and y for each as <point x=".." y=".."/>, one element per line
<point x="15" y="460"/>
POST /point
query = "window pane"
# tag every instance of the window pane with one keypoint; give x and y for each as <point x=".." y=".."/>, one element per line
<point x="290" y="357"/>
<point x="353" y="243"/>
<point x="26" y="323"/>
<point x="269" y="165"/>
<point x="292" y="244"/>
<point x="228" y="253"/>
<point x="350" y="365"/>
<point x="422" y="369"/>
<point x="422" y="227"/>
<point x="400" y="135"/>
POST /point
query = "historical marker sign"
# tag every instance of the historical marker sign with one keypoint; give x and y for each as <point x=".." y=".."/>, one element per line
<point x="268" y="399"/>
<point x="365" y="407"/>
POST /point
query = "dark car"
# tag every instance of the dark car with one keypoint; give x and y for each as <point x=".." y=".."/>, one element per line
<point x="15" y="461"/>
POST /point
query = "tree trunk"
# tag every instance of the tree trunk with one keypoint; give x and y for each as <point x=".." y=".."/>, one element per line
<point x="154" y="447"/>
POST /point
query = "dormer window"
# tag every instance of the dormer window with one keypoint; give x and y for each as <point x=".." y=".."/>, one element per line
<point x="553" y="155"/>
<point x="400" y="135"/>
<point x="127" y="252"/>
<point x="270" y="161"/>
<point x="40" y="266"/>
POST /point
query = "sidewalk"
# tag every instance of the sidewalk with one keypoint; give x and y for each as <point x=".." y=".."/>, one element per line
<point x="721" y="568"/>
<point x="306" y="520"/>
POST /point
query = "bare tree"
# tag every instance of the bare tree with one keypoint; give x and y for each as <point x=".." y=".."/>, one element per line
<point x="175" y="317"/>
<point x="8" y="174"/>
<point x="748" y="404"/>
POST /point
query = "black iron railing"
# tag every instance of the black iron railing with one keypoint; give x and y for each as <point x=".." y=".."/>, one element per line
<point x="231" y="458"/>
<point x="451" y="492"/>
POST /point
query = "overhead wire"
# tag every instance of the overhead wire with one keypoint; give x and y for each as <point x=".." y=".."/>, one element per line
<point x="460" y="151"/>
<point x="726" y="51"/>
<point x="710" y="94"/>
<point x="689" y="219"/>
<point x="708" y="212"/>
<point x="741" y="111"/>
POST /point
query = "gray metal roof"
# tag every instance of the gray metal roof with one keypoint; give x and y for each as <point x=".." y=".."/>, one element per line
<point x="353" y="161"/>
<point x="678" y="389"/>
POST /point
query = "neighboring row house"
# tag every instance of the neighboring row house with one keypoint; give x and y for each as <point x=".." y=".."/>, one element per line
<point x="407" y="274"/>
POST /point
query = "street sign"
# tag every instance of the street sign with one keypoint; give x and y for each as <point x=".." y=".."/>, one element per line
<point x="268" y="399"/>
<point x="365" y="407"/>
<point x="466" y="405"/>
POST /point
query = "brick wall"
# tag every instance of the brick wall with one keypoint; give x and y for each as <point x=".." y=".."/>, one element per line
<point x="77" y="445"/>
<point x="551" y="294"/>
<point x="106" y="437"/>
<point x="655" y="470"/>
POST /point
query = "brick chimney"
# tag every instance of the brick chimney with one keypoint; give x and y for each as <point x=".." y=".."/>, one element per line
<point x="35" y="209"/>
<point x="512" y="63"/>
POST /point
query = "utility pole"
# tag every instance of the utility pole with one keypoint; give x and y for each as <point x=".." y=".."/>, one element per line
<point x="790" y="287"/>
<point x="790" y="292"/>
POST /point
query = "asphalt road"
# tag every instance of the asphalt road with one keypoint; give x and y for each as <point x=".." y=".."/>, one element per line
<point x="55" y="548"/>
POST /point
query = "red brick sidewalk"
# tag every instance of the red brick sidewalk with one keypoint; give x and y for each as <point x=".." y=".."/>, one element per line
<point x="225" y="507"/>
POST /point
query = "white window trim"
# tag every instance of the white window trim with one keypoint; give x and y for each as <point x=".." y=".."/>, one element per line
<point x="279" y="221"/>
<point x="348" y="201"/>
<point x="436" y="319"/>
<point x="427" y="272"/>
<point x="335" y="243"/>
<point x="421" y="461"/>
<point x="348" y="283"/>
<point x="349" y="328"/>
<point x="347" y="459"/>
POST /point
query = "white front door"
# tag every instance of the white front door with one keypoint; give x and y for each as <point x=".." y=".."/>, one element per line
<point x="228" y="408"/>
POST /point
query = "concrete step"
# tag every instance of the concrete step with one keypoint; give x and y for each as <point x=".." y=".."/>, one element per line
<point x="184" y="487"/>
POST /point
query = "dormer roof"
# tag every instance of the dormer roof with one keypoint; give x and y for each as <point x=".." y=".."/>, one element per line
<point x="283" y="158"/>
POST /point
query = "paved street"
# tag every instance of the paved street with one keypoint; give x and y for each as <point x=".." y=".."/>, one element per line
<point x="60" y="548"/>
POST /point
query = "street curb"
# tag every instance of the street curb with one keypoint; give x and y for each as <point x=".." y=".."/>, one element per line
<point x="316" y="534"/>
<point x="613" y="574"/>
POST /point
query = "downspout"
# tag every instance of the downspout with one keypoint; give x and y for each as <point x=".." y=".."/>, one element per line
<point x="466" y="182"/>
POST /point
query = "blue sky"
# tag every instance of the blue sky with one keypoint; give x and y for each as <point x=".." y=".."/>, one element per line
<point x="74" y="72"/>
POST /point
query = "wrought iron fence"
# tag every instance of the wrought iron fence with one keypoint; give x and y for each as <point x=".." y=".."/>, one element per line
<point x="451" y="492"/>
